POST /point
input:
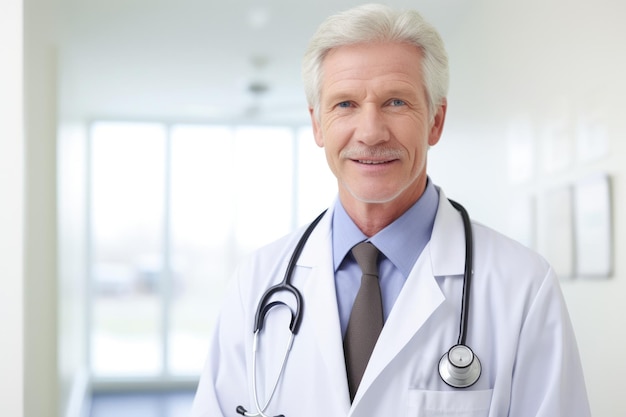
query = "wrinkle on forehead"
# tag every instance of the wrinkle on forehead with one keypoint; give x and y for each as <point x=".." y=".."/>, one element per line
<point x="395" y="70"/>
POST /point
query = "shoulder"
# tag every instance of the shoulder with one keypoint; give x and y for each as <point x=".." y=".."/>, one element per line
<point x="509" y="269"/>
<point x="500" y="249"/>
<point x="281" y="250"/>
<point x="271" y="253"/>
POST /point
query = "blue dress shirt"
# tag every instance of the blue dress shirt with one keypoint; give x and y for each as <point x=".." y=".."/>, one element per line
<point x="400" y="244"/>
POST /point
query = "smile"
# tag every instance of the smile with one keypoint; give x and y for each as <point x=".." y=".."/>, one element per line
<point x="369" y="162"/>
<point x="372" y="155"/>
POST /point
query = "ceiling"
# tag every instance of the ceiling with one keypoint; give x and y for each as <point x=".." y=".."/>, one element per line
<point x="192" y="60"/>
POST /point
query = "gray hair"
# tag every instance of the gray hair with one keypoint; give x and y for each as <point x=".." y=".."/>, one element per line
<point x="378" y="23"/>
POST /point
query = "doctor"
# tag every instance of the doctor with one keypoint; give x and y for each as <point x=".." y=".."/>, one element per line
<point x="376" y="81"/>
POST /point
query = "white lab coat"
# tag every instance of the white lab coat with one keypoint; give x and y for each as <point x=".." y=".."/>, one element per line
<point x="518" y="327"/>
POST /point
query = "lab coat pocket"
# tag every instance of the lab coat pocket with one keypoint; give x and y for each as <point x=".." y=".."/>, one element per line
<point x="449" y="403"/>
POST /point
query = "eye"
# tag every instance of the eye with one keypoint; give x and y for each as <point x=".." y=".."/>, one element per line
<point x="344" y="104"/>
<point x="397" y="102"/>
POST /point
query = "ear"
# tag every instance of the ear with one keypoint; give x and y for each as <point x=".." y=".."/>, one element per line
<point x="437" y="127"/>
<point x="317" y="132"/>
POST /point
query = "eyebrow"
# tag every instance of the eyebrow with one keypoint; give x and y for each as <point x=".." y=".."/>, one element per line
<point x="346" y="94"/>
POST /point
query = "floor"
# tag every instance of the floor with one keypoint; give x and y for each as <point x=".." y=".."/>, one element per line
<point x="161" y="404"/>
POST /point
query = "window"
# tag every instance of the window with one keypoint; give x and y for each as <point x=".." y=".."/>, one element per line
<point x="127" y="240"/>
<point x="172" y="210"/>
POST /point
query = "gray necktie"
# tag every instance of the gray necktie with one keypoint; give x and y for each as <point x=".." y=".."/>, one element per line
<point x="366" y="318"/>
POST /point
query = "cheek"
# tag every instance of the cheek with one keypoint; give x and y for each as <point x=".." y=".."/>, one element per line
<point x="334" y="137"/>
<point x="416" y="145"/>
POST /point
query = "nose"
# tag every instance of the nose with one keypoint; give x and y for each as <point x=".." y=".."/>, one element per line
<point x="371" y="127"/>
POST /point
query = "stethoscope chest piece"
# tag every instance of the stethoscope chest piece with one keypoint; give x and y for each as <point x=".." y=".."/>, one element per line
<point x="459" y="367"/>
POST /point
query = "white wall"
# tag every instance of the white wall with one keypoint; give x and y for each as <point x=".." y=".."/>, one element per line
<point x="545" y="64"/>
<point x="11" y="209"/>
<point x="72" y="177"/>
<point x="28" y="371"/>
<point x="48" y="376"/>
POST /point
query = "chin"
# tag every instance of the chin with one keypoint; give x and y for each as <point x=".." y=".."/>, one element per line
<point x="372" y="197"/>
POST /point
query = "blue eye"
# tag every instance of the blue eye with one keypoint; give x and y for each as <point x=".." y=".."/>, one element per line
<point x="397" y="102"/>
<point x="344" y="104"/>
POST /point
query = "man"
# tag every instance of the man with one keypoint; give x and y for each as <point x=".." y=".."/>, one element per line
<point x="376" y="81"/>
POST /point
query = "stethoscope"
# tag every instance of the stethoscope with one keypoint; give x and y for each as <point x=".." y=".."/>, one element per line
<point x="459" y="367"/>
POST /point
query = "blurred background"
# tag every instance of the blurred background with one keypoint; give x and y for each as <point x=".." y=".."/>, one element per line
<point x="164" y="140"/>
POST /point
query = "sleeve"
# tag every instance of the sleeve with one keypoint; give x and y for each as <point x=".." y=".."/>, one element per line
<point x="223" y="382"/>
<point x="548" y="378"/>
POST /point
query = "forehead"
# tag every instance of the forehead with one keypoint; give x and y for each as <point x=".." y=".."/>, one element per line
<point x="389" y="64"/>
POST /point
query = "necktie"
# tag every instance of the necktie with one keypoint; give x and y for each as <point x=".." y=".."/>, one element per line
<point x="366" y="317"/>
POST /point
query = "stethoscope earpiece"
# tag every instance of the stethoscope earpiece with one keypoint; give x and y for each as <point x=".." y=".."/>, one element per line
<point x="459" y="367"/>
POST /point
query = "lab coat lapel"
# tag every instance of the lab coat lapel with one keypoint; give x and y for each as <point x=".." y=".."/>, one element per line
<point x="421" y="295"/>
<point x="418" y="299"/>
<point x="320" y="306"/>
<point x="448" y="240"/>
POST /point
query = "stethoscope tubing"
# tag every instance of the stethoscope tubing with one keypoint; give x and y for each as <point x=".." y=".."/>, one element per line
<point x="255" y="391"/>
<point x="285" y="285"/>
<point x="468" y="272"/>
<point x="265" y="306"/>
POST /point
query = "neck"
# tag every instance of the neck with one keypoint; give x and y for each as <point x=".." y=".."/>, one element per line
<point x="370" y="217"/>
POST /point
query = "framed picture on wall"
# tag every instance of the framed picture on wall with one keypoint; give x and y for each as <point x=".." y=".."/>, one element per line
<point x="593" y="227"/>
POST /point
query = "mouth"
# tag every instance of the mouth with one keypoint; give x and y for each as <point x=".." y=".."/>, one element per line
<point x="372" y="156"/>
<point x="371" y="162"/>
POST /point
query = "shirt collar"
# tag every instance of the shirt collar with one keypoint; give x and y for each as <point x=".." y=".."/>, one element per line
<point x="401" y="242"/>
